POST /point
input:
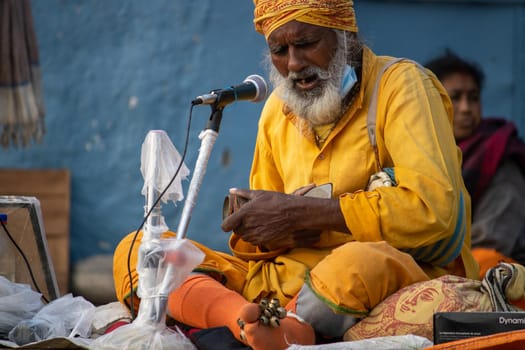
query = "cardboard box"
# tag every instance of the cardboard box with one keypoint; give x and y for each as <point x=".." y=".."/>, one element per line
<point x="449" y="326"/>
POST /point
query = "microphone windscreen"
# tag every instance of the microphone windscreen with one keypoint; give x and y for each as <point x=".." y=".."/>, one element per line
<point x="261" y="86"/>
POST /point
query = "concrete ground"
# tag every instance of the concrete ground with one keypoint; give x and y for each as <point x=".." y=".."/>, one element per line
<point x="92" y="278"/>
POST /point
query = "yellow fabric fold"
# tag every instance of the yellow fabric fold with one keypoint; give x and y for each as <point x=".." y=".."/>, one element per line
<point x="358" y="287"/>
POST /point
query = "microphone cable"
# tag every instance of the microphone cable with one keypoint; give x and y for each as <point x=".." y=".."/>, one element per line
<point x="25" y="260"/>
<point x="130" y="277"/>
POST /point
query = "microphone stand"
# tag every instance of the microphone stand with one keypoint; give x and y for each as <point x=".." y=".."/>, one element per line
<point x="208" y="137"/>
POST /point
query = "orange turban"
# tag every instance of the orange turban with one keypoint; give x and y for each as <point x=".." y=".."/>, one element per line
<point x="271" y="14"/>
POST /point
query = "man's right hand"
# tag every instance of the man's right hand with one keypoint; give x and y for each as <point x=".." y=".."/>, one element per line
<point x="271" y="220"/>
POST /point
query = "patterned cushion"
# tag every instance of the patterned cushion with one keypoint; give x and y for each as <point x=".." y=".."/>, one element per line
<point x="411" y="309"/>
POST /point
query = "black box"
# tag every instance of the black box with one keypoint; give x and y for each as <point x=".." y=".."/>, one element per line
<point x="449" y="326"/>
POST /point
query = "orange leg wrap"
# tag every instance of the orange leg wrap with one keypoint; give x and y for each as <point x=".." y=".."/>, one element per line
<point x="203" y="302"/>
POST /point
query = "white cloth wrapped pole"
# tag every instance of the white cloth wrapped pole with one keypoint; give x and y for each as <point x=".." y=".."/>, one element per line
<point x="159" y="163"/>
<point x="208" y="138"/>
<point x="162" y="264"/>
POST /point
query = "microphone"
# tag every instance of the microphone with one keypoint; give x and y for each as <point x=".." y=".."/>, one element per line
<point x="253" y="88"/>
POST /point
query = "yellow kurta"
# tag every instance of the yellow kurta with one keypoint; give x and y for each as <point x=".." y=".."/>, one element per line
<point x="414" y="117"/>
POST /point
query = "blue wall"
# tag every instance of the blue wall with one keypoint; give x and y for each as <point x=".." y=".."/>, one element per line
<point x="489" y="32"/>
<point x="113" y="70"/>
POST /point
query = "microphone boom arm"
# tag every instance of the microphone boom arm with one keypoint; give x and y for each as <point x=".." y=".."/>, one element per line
<point x="253" y="88"/>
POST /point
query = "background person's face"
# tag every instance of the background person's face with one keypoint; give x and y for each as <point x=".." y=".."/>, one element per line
<point x="465" y="96"/>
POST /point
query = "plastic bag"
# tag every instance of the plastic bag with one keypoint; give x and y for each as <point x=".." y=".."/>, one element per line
<point x="17" y="302"/>
<point x="173" y="258"/>
<point x="143" y="336"/>
<point x="66" y="316"/>
<point x="163" y="265"/>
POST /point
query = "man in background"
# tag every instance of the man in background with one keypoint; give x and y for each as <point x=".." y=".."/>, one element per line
<point x="493" y="165"/>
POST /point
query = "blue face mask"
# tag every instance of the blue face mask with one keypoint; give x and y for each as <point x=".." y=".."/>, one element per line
<point x="349" y="79"/>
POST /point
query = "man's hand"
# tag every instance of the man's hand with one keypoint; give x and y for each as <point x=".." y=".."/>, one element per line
<point x="272" y="220"/>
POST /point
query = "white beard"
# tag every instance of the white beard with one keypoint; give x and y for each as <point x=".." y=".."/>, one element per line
<point x="322" y="105"/>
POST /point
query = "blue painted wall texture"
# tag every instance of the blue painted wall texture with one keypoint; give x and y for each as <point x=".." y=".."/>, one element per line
<point x="113" y="70"/>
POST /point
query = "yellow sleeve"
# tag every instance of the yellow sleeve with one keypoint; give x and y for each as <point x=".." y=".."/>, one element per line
<point x="429" y="204"/>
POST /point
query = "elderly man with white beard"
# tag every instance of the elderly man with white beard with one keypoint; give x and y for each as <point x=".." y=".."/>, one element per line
<point x="339" y="114"/>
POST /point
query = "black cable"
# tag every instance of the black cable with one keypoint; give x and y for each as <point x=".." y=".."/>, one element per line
<point x="131" y="306"/>
<point x="25" y="260"/>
